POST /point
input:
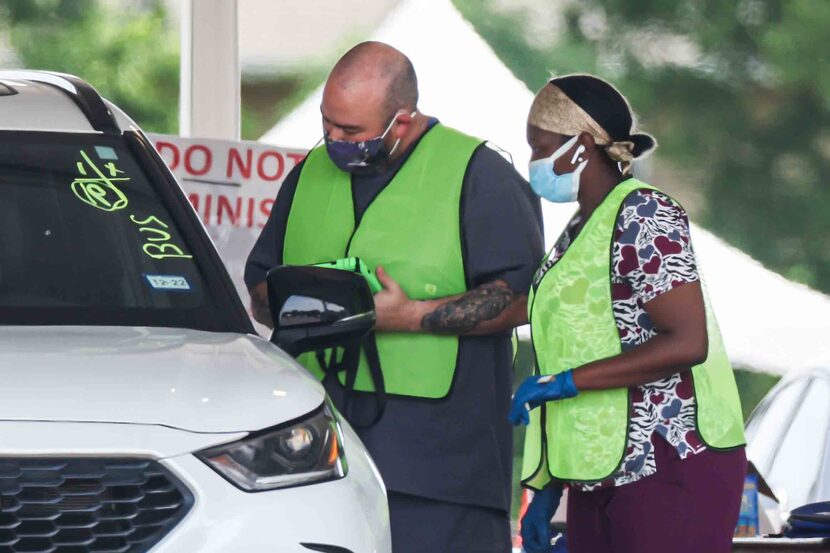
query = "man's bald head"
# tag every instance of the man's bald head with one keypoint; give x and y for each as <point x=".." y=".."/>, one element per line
<point x="383" y="68"/>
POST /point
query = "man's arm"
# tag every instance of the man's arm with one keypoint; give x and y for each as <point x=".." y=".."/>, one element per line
<point x="490" y="308"/>
<point x="259" y="305"/>
<point x="267" y="251"/>
<point x="487" y="309"/>
<point x="502" y="242"/>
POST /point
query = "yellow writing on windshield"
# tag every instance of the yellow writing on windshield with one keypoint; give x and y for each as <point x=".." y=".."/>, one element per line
<point x="97" y="189"/>
<point x="158" y="245"/>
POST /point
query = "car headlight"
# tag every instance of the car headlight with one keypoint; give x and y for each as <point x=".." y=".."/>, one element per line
<point x="305" y="451"/>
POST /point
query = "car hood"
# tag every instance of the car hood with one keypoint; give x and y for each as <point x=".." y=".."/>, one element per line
<point x="186" y="379"/>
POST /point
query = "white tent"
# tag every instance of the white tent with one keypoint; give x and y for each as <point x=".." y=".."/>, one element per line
<point x="769" y="323"/>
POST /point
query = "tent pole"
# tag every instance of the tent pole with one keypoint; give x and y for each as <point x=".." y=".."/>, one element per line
<point x="209" y="97"/>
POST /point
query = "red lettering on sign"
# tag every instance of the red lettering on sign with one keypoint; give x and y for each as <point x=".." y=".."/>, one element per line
<point x="296" y="158"/>
<point x="194" y="201"/>
<point x="207" y="160"/>
<point x="225" y="207"/>
<point x="260" y="166"/>
<point x="160" y="146"/>
<point x="265" y="207"/>
<point x="237" y="211"/>
<point x="243" y="167"/>
<point x="208" y="201"/>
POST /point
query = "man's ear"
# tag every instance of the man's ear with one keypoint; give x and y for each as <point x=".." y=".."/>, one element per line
<point x="404" y="123"/>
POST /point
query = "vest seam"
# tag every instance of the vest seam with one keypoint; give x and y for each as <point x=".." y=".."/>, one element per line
<point x="542" y="412"/>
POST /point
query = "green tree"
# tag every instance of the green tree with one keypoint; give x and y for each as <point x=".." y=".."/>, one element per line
<point x="737" y="92"/>
<point x="128" y="51"/>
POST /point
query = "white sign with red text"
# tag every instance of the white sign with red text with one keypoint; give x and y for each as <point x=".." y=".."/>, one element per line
<point x="233" y="186"/>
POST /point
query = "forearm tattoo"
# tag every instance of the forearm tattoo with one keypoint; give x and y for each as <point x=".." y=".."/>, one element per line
<point x="461" y="315"/>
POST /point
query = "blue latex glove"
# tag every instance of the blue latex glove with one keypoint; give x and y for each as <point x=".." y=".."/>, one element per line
<point x="532" y="393"/>
<point x="536" y="533"/>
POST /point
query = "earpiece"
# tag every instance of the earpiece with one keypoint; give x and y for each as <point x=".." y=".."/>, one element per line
<point x="578" y="154"/>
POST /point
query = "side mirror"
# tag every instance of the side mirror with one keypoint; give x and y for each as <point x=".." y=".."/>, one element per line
<point x="315" y="308"/>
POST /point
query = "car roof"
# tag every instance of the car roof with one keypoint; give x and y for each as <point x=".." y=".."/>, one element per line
<point x="56" y="102"/>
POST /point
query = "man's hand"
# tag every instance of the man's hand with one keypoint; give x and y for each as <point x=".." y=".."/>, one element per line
<point x="395" y="311"/>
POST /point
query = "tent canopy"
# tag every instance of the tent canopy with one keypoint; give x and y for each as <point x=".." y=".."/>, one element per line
<point x="769" y="324"/>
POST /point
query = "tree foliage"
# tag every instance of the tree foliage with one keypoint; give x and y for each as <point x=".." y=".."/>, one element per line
<point x="127" y="50"/>
<point x="737" y="92"/>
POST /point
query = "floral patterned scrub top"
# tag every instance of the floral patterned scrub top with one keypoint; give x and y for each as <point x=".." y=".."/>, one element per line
<point x="652" y="254"/>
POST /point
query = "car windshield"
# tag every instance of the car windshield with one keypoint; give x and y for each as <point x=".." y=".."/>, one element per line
<point x="86" y="239"/>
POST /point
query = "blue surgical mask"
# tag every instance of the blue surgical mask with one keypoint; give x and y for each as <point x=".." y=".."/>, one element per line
<point x="546" y="183"/>
<point x="367" y="156"/>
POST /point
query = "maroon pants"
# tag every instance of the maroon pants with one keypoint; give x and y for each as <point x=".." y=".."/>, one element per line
<point x="689" y="506"/>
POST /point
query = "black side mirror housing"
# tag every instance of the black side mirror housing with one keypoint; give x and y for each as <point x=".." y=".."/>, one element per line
<point x="315" y="308"/>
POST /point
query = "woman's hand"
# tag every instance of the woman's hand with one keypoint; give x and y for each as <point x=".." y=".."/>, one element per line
<point x="536" y="390"/>
<point x="536" y="534"/>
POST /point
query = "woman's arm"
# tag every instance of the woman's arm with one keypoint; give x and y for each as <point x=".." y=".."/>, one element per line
<point x="679" y="317"/>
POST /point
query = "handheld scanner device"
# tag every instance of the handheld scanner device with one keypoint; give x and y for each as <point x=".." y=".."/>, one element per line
<point x="355" y="265"/>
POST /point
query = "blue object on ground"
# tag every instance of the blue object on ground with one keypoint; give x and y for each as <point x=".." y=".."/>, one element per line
<point x="809" y="521"/>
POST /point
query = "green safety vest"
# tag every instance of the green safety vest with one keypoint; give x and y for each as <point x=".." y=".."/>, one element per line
<point x="572" y="323"/>
<point x="413" y="229"/>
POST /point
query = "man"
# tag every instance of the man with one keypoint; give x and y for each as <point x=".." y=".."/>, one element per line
<point x="454" y="235"/>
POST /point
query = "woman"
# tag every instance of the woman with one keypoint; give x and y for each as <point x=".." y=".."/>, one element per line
<point x="634" y="404"/>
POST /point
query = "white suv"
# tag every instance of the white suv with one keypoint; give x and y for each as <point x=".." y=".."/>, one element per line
<point x="138" y="408"/>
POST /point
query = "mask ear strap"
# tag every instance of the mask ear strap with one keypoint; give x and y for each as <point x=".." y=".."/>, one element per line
<point x="564" y="148"/>
<point x="398" y="141"/>
<point x="392" y="151"/>
<point x="392" y="122"/>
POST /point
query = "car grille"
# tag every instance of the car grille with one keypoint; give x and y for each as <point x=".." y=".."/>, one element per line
<point x="83" y="504"/>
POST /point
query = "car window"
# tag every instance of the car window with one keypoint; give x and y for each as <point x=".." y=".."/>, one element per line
<point x="795" y="468"/>
<point x="84" y="236"/>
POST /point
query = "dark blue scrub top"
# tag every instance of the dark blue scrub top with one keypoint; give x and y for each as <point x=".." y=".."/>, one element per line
<point x="458" y="449"/>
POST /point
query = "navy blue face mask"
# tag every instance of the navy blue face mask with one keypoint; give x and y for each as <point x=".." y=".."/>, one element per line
<point x="367" y="156"/>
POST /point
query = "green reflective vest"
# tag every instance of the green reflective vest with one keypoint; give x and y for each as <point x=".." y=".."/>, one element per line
<point x="412" y="228"/>
<point x="572" y="323"/>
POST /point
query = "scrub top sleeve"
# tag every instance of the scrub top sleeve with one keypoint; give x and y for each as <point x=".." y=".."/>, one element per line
<point x="653" y="248"/>
<point x="267" y="251"/>
<point x="501" y="221"/>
